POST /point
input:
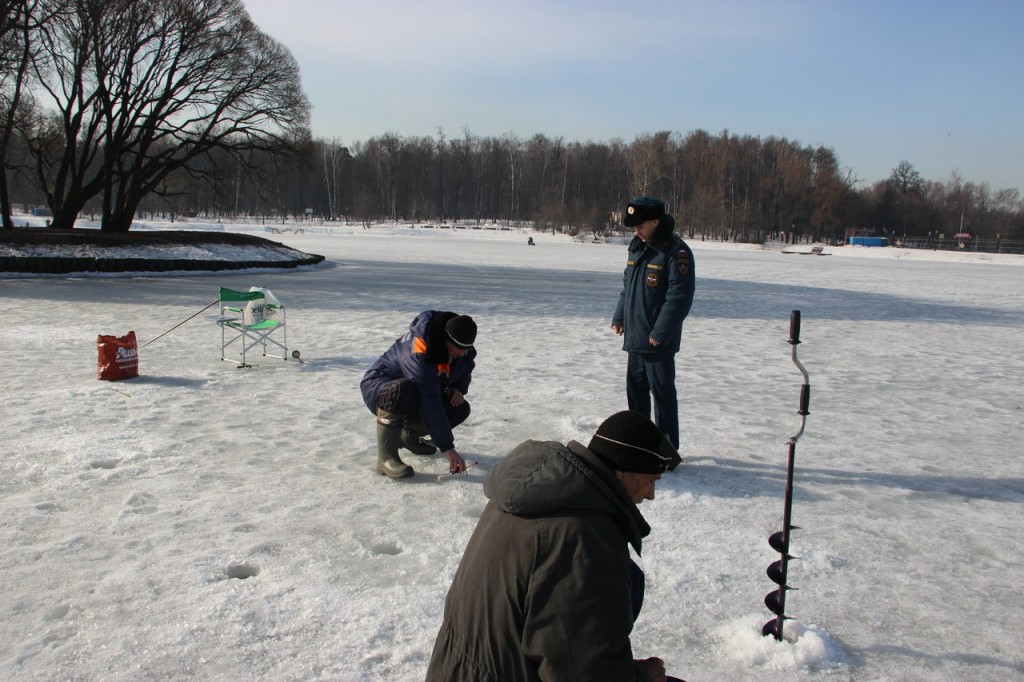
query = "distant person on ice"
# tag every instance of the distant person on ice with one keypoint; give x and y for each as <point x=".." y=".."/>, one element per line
<point x="418" y="387"/>
<point x="546" y="589"/>
<point x="657" y="292"/>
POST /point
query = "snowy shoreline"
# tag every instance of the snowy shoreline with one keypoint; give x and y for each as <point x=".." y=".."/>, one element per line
<point x="281" y="231"/>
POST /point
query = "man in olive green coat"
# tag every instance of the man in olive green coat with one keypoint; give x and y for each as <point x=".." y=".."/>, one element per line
<point x="546" y="589"/>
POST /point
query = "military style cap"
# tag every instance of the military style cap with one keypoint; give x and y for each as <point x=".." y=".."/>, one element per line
<point x="642" y="209"/>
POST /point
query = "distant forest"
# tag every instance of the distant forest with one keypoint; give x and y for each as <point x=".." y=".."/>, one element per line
<point x="114" y="109"/>
<point x="721" y="186"/>
<point x="724" y="186"/>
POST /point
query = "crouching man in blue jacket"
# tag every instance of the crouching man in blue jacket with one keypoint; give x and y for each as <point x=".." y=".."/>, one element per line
<point x="418" y="387"/>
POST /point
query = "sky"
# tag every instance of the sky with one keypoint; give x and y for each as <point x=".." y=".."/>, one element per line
<point x="932" y="82"/>
<point x="204" y="522"/>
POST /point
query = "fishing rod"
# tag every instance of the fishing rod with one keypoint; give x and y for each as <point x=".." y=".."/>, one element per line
<point x="178" y="325"/>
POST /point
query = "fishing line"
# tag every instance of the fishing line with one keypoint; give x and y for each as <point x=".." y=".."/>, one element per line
<point x="179" y="324"/>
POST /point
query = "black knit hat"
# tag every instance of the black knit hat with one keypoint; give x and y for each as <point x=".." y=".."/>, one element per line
<point x="629" y="441"/>
<point x="461" y="331"/>
<point x="642" y="209"/>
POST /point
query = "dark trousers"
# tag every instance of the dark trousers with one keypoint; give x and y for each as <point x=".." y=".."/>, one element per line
<point x="402" y="396"/>
<point x="650" y="374"/>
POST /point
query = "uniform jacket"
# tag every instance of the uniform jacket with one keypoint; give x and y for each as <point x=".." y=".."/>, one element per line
<point x="421" y="356"/>
<point x="657" y="291"/>
<point x="543" y="591"/>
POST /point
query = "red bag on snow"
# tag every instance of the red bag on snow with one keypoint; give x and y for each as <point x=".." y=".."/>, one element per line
<point x="118" y="357"/>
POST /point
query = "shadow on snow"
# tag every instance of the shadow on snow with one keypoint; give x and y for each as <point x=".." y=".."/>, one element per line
<point x="383" y="285"/>
<point x="733" y="477"/>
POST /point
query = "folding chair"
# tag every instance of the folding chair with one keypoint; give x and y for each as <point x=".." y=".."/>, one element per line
<point x="249" y="318"/>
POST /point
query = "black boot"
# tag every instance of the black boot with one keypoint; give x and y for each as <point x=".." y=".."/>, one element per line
<point x="389" y="435"/>
<point x="412" y="438"/>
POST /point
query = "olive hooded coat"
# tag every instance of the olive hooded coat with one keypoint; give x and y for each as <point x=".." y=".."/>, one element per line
<point x="546" y="589"/>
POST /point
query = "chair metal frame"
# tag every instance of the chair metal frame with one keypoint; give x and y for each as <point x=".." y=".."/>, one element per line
<point x="253" y="316"/>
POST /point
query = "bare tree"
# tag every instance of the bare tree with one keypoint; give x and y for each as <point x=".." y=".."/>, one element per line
<point x="646" y="160"/>
<point x="512" y="148"/>
<point x="907" y="186"/>
<point x="906" y="179"/>
<point x="830" y="192"/>
<point x="333" y="159"/>
<point x="143" y="89"/>
<point x="17" y="23"/>
<point x="442" y="203"/>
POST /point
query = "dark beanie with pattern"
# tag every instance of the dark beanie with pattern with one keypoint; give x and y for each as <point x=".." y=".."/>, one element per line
<point x="461" y="331"/>
<point x="629" y="441"/>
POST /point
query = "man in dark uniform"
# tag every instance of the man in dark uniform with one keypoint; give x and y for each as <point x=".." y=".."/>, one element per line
<point x="657" y="293"/>
<point x="418" y="387"/>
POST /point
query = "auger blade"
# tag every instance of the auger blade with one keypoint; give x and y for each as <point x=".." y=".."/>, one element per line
<point x="775" y="573"/>
<point x="773" y="600"/>
<point x="771" y="628"/>
<point x="777" y="540"/>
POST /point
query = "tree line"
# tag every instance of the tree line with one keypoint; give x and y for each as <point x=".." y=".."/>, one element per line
<point x="724" y="186"/>
<point x="114" y="108"/>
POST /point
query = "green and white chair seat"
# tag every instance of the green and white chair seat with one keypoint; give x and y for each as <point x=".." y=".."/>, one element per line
<point x="249" y="319"/>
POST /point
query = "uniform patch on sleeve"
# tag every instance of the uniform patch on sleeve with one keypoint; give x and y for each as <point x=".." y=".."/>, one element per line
<point x="683" y="262"/>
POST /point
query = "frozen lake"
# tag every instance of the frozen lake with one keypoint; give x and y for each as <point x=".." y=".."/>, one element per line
<point x="203" y="521"/>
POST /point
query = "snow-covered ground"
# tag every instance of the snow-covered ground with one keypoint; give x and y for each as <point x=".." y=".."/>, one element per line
<point x="208" y="522"/>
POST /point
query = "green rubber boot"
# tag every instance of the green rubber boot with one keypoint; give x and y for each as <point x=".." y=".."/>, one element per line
<point x="389" y="436"/>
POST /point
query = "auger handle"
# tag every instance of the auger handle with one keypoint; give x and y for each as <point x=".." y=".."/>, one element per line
<point x="805" y="389"/>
